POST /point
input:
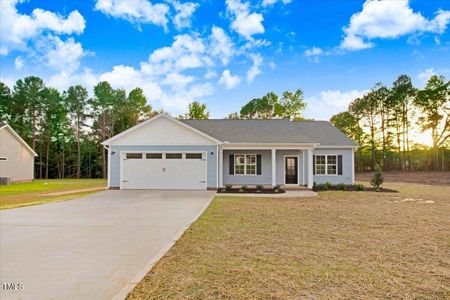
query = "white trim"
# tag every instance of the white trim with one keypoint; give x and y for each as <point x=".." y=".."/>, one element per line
<point x="20" y="140"/>
<point x="274" y="167"/>
<point x="310" y="169"/>
<point x="353" y="166"/>
<point x="326" y="165"/>
<point x="158" y="116"/>
<point x="298" y="170"/>
<point x="303" y="166"/>
<point x="220" y="158"/>
<point x="245" y="164"/>
<point x="109" y="166"/>
<point x="183" y="157"/>
<point x="217" y="166"/>
<point x="265" y="146"/>
<point x="336" y="147"/>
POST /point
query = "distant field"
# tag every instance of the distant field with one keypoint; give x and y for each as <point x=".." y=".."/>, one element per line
<point x="47" y="190"/>
<point x="431" y="178"/>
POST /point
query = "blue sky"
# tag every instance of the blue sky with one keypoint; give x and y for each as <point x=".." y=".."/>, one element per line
<point x="225" y="53"/>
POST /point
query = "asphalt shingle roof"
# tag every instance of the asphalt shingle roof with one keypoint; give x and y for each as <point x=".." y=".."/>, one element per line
<point x="272" y="131"/>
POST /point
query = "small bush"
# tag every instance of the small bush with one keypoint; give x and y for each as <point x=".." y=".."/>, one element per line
<point x="259" y="187"/>
<point x="228" y="187"/>
<point x="340" y="186"/>
<point x="359" y="187"/>
<point x="276" y="188"/>
<point x="329" y="185"/>
<point x="243" y="189"/>
<point x="378" y="178"/>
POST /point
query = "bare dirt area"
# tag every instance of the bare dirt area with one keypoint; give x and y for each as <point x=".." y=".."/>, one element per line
<point x="430" y="178"/>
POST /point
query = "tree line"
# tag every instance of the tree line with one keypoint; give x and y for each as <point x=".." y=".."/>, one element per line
<point x="66" y="129"/>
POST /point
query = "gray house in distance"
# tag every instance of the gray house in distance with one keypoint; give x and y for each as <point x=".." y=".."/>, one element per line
<point x="166" y="153"/>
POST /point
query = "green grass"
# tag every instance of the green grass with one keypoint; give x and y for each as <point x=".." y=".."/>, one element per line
<point x="339" y="245"/>
<point x="37" y="192"/>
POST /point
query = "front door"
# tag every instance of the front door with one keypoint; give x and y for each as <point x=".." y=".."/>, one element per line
<point x="290" y="169"/>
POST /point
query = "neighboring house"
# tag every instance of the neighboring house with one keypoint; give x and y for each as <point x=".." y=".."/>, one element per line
<point x="165" y="153"/>
<point x="16" y="157"/>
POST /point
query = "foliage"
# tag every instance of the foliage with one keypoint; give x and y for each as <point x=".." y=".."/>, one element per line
<point x="228" y="187"/>
<point x="378" y="178"/>
<point x="359" y="187"/>
<point x="259" y="187"/>
<point x="196" y="111"/>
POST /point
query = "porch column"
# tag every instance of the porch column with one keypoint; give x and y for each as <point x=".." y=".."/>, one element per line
<point x="220" y="158"/>
<point x="310" y="169"/>
<point x="274" y="167"/>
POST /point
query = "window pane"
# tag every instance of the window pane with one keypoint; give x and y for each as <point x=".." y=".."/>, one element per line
<point x="173" y="156"/>
<point x="239" y="169"/>
<point x="239" y="159"/>
<point x="153" y="155"/>
<point x="320" y="169"/>
<point x="331" y="170"/>
<point x="193" y="156"/>
<point x="320" y="159"/>
<point x="134" y="155"/>
<point x="251" y="159"/>
<point x="331" y="159"/>
<point x="251" y="169"/>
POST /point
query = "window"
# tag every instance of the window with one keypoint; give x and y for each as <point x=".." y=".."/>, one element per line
<point x="245" y="164"/>
<point x="193" y="156"/>
<point x="153" y="155"/>
<point x="134" y="155"/>
<point x="326" y="164"/>
<point x="173" y="156"/>
<point x="3" y="158"/>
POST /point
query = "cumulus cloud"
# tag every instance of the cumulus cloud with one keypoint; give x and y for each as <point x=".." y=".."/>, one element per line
<point x="229" y="81"/>
<point x="255" y="69"/>
<point x="272" y="2"/>
<point x="314" y="53"/>
<point x="244" y="22"/>
<point x="135" y="11"/>
<point x="19" y="63"/>
<point x="327" y="103"/>
<point x="388" y="20"/>
<point x="184" y="12"/>
<point x="221" y="45"/>
<point x="17" y="30"/>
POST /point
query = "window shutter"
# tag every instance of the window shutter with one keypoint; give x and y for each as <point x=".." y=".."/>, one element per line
<point x="314" y="164"/>
<point x="339" y="164"/>
<point x="231" y="164"/>
<point x="258" y="164"/>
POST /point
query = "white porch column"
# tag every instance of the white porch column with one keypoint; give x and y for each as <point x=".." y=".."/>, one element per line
<point x="310" y="168"/>
<point x="274" y="167"/>
<point x="303" y="152"/>
<point x="220" y="158"/>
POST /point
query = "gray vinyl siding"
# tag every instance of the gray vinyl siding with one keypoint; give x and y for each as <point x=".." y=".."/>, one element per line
<point x="211" y="160"/>
<point x="347" y="166"/>
<point x="266" y="168"/>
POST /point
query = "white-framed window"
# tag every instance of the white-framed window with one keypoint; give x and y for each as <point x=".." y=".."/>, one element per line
<point x="326" y="164"/>
<point x="245" y="164"/>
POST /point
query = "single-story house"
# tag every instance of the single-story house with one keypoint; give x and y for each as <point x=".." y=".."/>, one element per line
<point x="16" y="157"/>
<point x="166" y="153"/>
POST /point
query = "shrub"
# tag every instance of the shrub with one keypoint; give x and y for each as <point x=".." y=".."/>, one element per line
<point x="276" y="188"/>
<point x="259" y="187"/>
<point x="228" y="187"/>
<point x="340" y="186"/>
<point x="378" y="178"/>
<point x="243" y="189"/>
<point x="359" y="187"/>
<point x="328" y="185"/>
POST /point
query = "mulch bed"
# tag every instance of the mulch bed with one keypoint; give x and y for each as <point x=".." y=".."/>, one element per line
<point x="353" y="189"/>
<point x="250" y="191"/>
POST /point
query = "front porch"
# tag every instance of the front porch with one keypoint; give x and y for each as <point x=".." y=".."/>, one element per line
<point x="288" y="166"/>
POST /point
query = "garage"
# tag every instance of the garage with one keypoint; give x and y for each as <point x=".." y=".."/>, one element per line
<point x="163" y="170"/>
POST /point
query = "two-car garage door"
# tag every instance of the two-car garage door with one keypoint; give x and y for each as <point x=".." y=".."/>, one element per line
<point x="163" y="170"/>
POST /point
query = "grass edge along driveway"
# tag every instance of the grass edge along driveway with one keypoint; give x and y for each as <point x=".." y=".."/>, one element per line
<point x="46" y="191"/>
<point x="345" y="244"/>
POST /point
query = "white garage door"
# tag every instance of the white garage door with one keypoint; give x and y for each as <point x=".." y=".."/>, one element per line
<point x="164" y="170"/>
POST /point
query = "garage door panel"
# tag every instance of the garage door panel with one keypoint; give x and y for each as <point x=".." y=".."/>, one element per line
<point x="164" y="173"/>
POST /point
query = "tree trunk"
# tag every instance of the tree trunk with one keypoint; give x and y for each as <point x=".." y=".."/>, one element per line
<point x="46" y="160"/>
<point x="78" y="157"/>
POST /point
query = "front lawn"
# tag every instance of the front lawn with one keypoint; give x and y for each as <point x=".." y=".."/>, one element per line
<point x="337" y="245"/>
<point x="46" y="190"/>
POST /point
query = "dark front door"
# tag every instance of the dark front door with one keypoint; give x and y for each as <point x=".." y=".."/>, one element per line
<point x="290" y="169"/>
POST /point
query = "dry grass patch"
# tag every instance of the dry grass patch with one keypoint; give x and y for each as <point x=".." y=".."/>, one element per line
<point x="336" y="245"/>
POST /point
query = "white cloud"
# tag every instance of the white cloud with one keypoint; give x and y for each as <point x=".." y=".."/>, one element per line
<point x="327" y="103"/>
<point x="272" y="2"/>
<point x="426" y="74"/>
<point x="314" y="53"/>
<point x="17" y="30"/>
<point x="221" y="45"/>
<point x="388" y="20"/>
<point x="255" y="68"/>
<point x="229" y="81"/>
<point x="135" y="11"/>
<point x="245" y="23"/>
<point x="19" y="63"/>
<point x="62" y="55"/>
<point x="184" y="12"/>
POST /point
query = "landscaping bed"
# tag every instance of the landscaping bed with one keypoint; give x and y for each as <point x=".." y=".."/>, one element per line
<point x="250" y="191"/>
<point x="349" y="187"/>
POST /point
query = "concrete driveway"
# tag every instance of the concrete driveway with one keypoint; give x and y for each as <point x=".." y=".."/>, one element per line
<point x="95" y="247"/>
